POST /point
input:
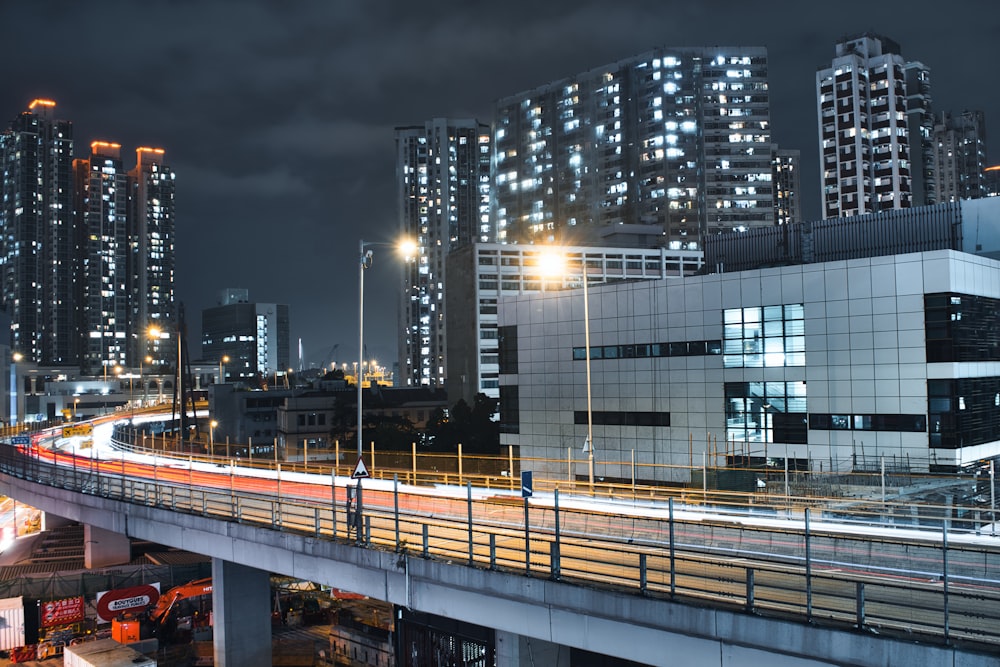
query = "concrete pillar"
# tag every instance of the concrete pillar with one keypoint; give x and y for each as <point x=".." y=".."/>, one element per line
<point x="104" y="548"/>
<point x="241" y="611"/>
<point x="519" y="651"/>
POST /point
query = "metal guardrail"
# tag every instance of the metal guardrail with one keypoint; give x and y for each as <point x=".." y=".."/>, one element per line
<point x="917" y="587"/>
<point x="781" y="491"/>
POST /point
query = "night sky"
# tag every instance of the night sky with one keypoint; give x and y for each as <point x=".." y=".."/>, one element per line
<point x="278" y="117"/>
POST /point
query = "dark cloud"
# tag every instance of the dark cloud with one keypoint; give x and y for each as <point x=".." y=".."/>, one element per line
<point x="279" y="117"/>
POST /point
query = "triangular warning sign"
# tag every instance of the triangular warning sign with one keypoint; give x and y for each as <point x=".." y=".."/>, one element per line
<point x="360" y="470"/>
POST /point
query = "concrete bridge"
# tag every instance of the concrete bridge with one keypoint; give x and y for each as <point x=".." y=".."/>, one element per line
<point x="535" y="617"/>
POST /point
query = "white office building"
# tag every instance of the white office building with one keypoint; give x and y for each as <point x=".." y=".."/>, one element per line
<point x="877" y="338"/>
<point x="497" y="271"/>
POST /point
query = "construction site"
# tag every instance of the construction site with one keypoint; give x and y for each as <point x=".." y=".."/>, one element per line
<point x="161" y="614"/>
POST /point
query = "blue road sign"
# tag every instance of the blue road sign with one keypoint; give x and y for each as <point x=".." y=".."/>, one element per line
<point x="20" y="440"/>
<point x="526" y="490"/>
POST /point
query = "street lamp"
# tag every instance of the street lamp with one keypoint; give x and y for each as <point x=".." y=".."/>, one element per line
<point x="211" y="437"/>
<point x="549" y="263"/>
<point x="148" y="360"/>
<point x="586" y="343"/>
<point x="158" y="334"/>
<point x="365" y="261"/>
<point x="76" y="402"/>
<point x="224" y="359"/>
<point x="15" y="392"/>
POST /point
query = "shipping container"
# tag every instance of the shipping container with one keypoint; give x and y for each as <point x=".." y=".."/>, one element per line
<point x="104" y="653"/>
<point x="11" y="623"/>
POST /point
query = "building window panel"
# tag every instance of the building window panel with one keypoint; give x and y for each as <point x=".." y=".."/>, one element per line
<point x="763" y="337"/>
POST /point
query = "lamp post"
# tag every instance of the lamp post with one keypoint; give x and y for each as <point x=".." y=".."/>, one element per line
<point x="118" y="370"/>
<point x="554" y="263"/>
<point x="149" y="360"/>
<point x="158" y="334"/>
<point x="76" y="402"/>
<point x="223" y="360"/>
<point x="586" y="343"/>
<point x="15" y="393"/>
<point x="211" y="437"/>
<point x="365" y="261"/>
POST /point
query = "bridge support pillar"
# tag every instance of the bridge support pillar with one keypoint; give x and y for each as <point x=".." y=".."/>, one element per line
<point x="515" y="650"/>
<point x="104" y="548"/>
<point x="241" y="609"/>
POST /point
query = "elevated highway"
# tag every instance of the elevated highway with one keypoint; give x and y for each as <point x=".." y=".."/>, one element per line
<point x="653" y="584"/>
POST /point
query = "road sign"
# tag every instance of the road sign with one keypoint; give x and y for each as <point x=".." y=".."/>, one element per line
<point x="80" y="429"/>
<point x="20" y="440"/>
<point x="360" y="470"/>
<point x="526" y="490"/>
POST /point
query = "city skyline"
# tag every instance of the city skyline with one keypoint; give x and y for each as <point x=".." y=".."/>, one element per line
<point x="280" y="127"/>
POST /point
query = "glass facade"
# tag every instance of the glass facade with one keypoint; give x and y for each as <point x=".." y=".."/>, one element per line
<point x="960" y="327"/>
<point x="772" y="336"/>
<point x="690" y="348"/>
<point x="873" y="422"/>
<point x="963" y="411"/>
<point x="766" y="412"/>
<point x="508" y="349"/>
<point x="510" y="412"/>
<point x="622" y="418"/>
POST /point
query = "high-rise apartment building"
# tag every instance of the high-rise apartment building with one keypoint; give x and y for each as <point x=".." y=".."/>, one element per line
<point x="920" y="126"/>
<point x="443" y="189"/>
<point x="151" y="256"/>
<point x="864" y="129"/>
<point x="679" y="138"/>
<point x="38" y="236"/>
<point x="254" y="336"/>
<point x="86" y="248"/>
<point x="786" y="184"/>
<point x="960" y="154"/>
<point x="102" y="217"/>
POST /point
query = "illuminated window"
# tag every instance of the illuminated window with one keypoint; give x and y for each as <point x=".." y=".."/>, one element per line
<point x="772" y="336"/>
<point x="766" y="412"/>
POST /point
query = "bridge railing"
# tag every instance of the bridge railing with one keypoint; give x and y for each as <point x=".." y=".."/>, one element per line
<point x="782" y="491"/>
<point x="890" y="581"/>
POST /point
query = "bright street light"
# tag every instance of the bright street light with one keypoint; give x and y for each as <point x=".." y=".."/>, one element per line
<point x="222" y="361"/>
<point x="211" y="436"/>
<point x="15" y="390"/>
<point x="365" y="254"/>
<point x="148" y="360"/>
<point x="553" y="263"/>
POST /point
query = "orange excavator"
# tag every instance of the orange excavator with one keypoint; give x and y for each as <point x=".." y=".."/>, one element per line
<point x="160" y="613"/>
<point x="177" y="593"/>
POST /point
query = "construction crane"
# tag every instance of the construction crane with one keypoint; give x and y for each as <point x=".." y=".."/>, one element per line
<point x="329" y="357"/>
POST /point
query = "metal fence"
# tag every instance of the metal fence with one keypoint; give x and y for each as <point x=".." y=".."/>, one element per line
<point x="886" y="486"/>
<point x="56" y="585"/>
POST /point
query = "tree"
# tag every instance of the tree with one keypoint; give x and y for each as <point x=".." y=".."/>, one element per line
<point x="439" y="435"/>
<point x="472" y="426"/>
<point x="483" y="430"/>
<point x="393" y="433"/>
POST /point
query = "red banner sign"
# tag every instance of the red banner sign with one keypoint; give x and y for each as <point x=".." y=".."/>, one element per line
<point x="62" y="612"/>
<point x="134" y="599"/>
